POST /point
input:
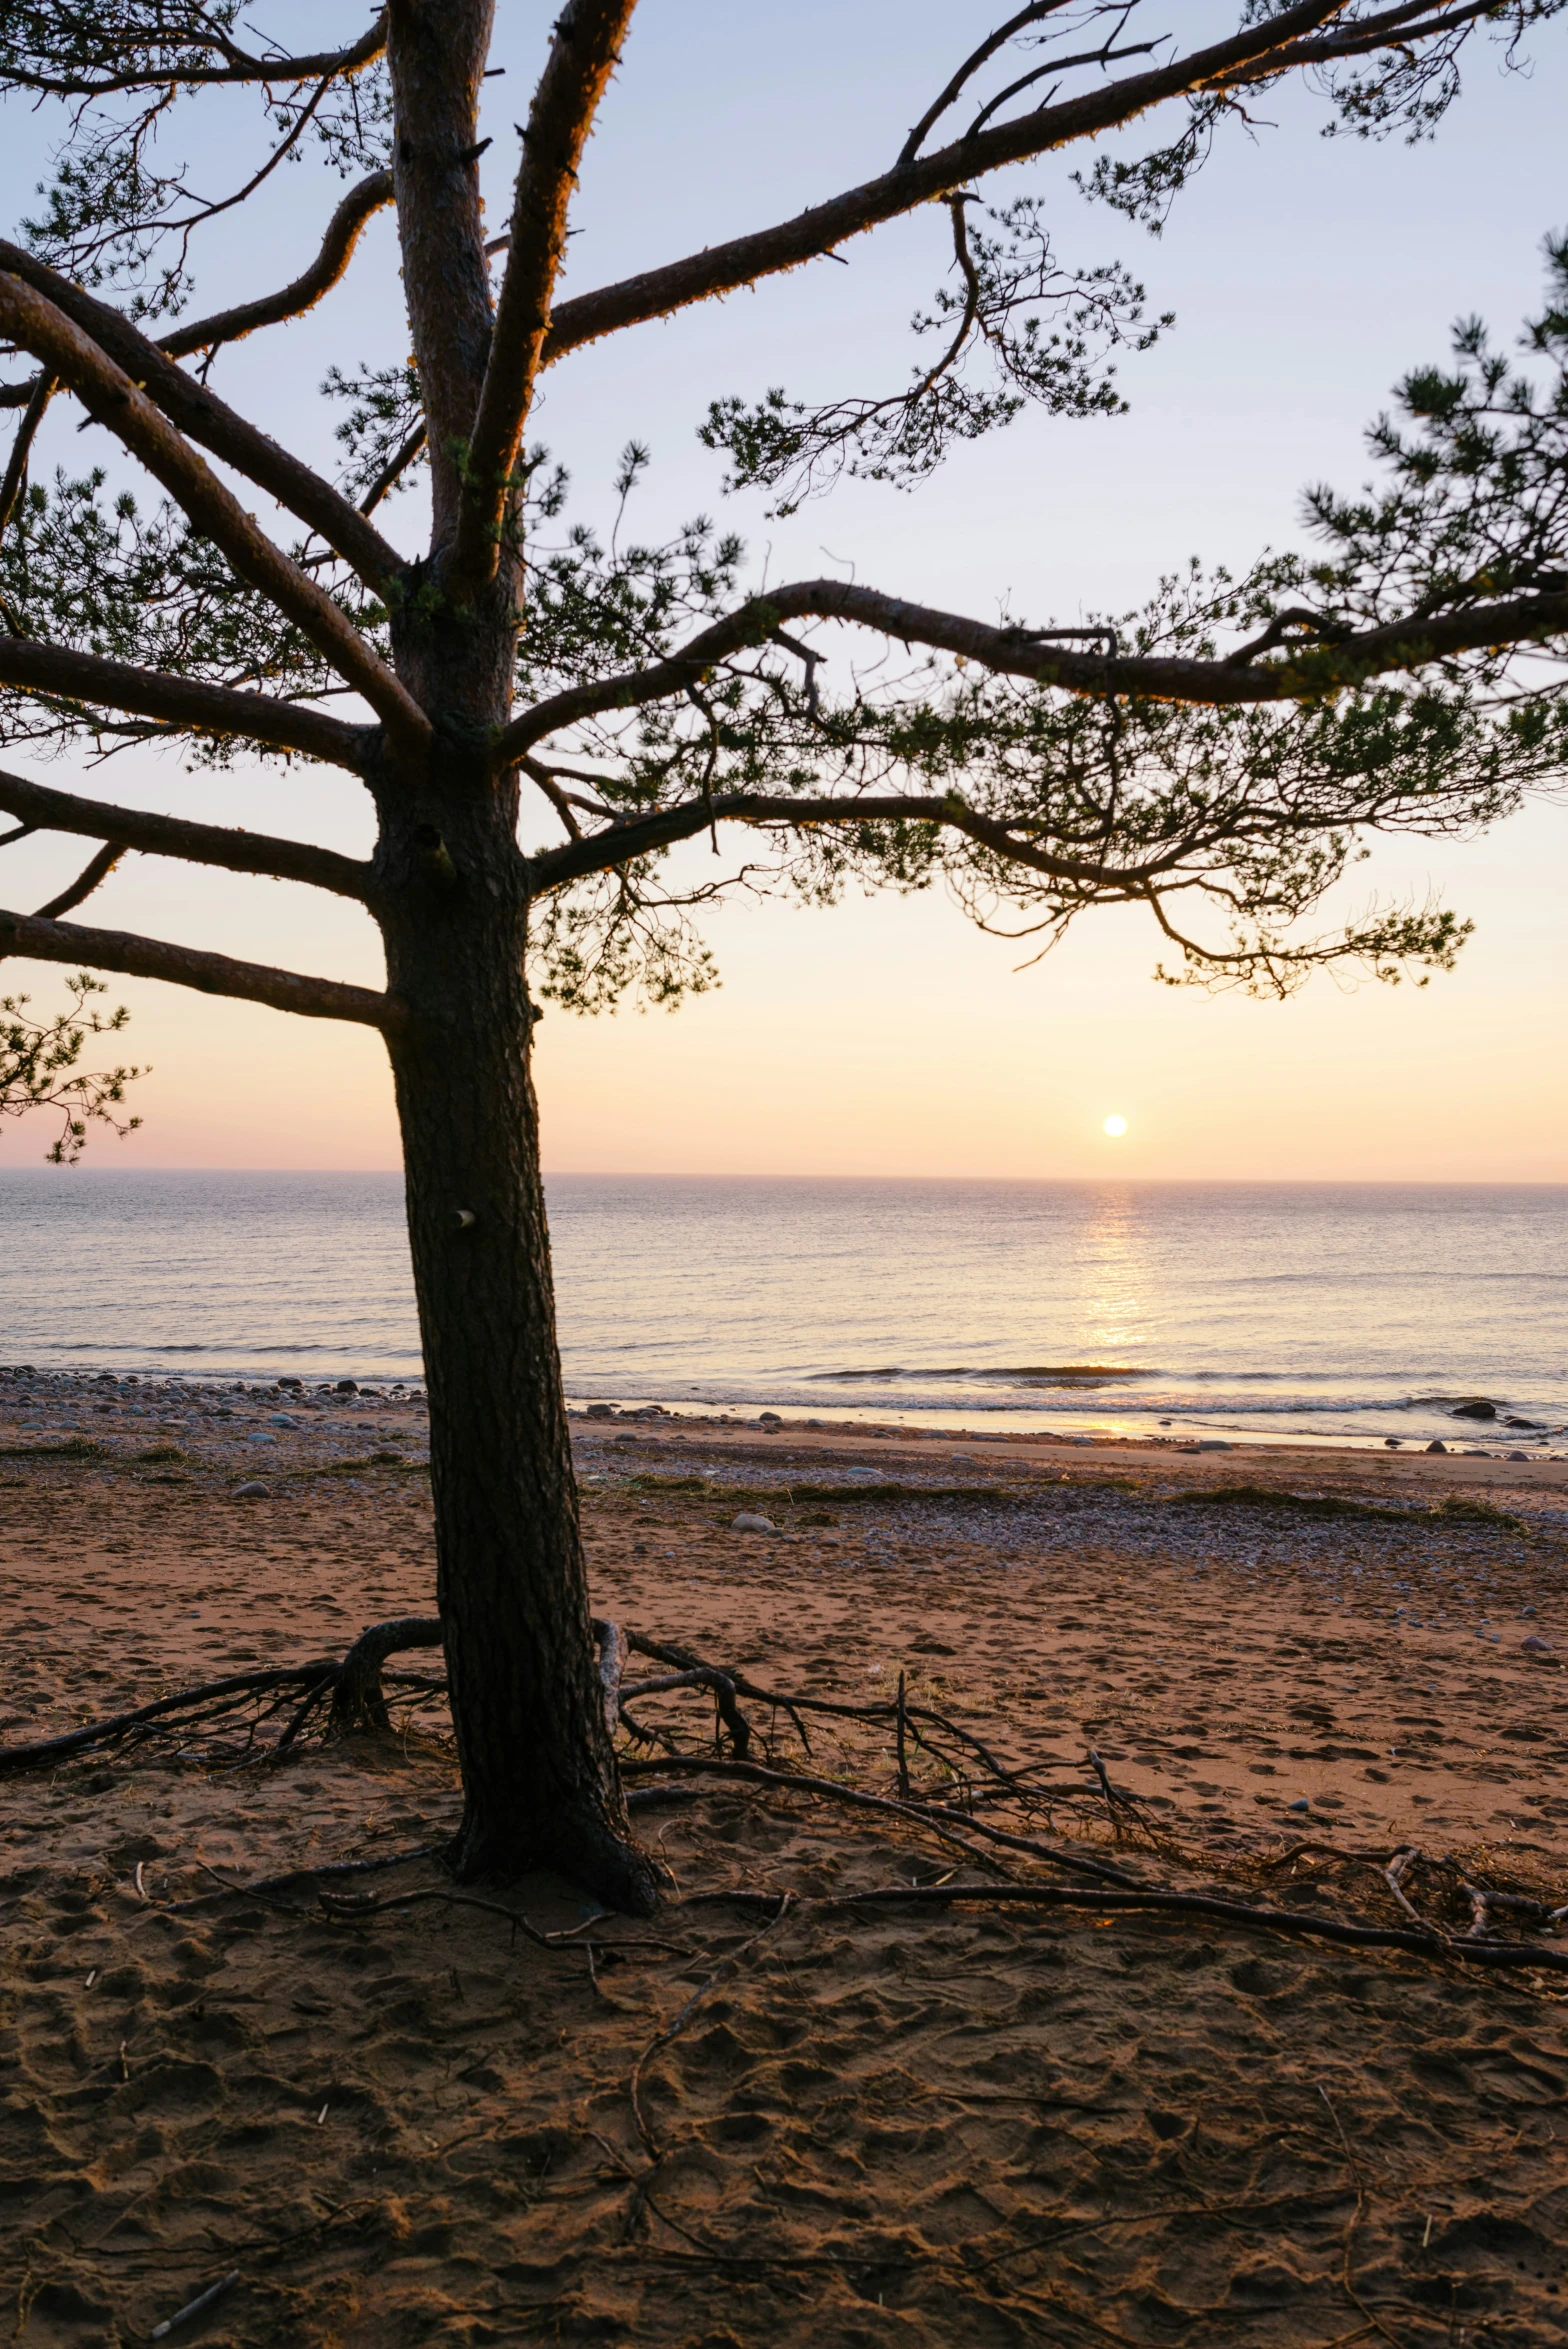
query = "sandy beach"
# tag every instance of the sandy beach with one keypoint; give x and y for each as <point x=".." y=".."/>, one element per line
<point x="877" y="2124"/>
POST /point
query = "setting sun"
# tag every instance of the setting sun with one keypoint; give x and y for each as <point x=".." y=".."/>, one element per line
<point x="1115" y="1127"/>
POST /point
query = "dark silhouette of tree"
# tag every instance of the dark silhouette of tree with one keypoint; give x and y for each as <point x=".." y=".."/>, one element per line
<point x="1214" y="757"/>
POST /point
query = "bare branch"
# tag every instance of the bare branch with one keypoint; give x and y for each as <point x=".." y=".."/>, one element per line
<point x="115" y="401"/>
<point x="559" y="800"/>
<point x="967" y="71"/>
<point x="1347" y="661"/>
<point x="1267" y="47"/>
<point x="43" y="809"/>
<point x="186" y="702"/>
<point x="189" y="966"/>
<point x="204" y="418"/>
<point x="392" y="472"/>
<point x="97" y="869"/>
<point x="22" y="448"/>
<point x="304" y="292"/>
<point x="586" y="47"/>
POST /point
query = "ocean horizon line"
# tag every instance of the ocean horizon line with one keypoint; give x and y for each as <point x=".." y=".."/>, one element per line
<point x="87" y="1170"/>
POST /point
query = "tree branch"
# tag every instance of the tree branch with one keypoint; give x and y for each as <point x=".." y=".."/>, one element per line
<point x="304" y="292"/>
<point x="204" y="418"/>
<point x="638" y="836"/>
<point x="15" y="481"/>
<point x="237" y="66"/>
<point x="1402" y="26"/>
<point x="586" y="47"/>
<point x="43" y="809"/>
<point x="97" y="869"/>
<point x="1260" y="51"/>
<point x="56" y="671"/>
<point x="113" y="400"/>
<point x="393" y="470"/>
<point x="189" y="966"/>
<point x="967" y="71"/>
<point x="1021" y="652"/>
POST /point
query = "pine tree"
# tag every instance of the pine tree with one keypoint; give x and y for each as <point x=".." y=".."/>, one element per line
<point x="1214" y="757"/>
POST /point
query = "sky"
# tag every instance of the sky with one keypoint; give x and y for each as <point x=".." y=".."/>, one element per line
<point x="888" y="1036"/>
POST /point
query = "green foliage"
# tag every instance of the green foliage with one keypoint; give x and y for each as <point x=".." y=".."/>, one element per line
<point x="98" y="573"/>
<point x="618" y="936"/>
<point x="113" y="213"/>
<point x="1039" y="331"/>
<point x="1230" y="822"/>
<point x="1253" y="810"/>
<point x="39" y="1067"/>
<point x="1475" y="508"/>
<point x="385" y="410"/>
<point x="1408" y="86"/>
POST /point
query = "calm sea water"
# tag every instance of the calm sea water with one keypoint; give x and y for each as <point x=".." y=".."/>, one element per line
<point x="1351" y="1311"/>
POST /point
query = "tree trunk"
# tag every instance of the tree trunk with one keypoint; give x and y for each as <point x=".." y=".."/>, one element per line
<point x="539" y="1779"/>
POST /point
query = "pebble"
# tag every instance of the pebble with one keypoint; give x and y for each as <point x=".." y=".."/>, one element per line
<point x="1535" y="1645"/>
<point x="1301" y="1804"/>
<point x="254" y="1491"/>
<point x="1437" y="1446"/>
<point x="281" y="1419"/>
<point x="864" y="1475"/>
<point x="261" y="1437"/>
<point x="749" y="1522"/>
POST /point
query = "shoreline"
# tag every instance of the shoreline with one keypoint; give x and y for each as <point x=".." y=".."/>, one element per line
<point x="88" y="1384"/>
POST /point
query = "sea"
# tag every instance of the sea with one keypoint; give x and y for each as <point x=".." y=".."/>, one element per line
<point x="1292" y="1312"/>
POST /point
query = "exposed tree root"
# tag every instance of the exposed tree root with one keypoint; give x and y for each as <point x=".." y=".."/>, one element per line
<point x="192" y="1708"/>
<point x="351" y="1695"/>
<point x="934" y="1815"/>
<point x="358" y="1699"/>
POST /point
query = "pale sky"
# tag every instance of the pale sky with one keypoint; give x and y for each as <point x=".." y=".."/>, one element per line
<point x="890" y="1037"/>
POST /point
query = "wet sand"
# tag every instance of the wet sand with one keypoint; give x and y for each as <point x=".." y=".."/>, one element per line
<point x="962" y="2125"/>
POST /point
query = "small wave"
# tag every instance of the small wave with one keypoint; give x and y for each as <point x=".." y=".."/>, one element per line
<point x="1067" y="1373"/>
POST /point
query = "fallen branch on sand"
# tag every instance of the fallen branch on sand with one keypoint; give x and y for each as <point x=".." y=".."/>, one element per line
<point x="935" y="1815"/>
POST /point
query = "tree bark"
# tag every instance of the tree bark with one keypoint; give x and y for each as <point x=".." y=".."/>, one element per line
<point x="540" y="1784"/>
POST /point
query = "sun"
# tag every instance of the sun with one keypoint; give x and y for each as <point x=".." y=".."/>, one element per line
<point x="1115" y="1127"/>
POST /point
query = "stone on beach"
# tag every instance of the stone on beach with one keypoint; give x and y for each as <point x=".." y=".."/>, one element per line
<point x="255" y="1490"/>
<point x="749" y="1522"/>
